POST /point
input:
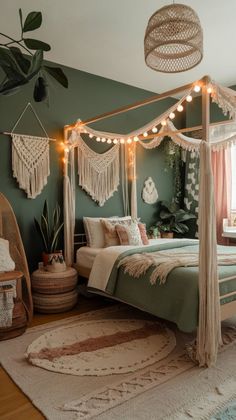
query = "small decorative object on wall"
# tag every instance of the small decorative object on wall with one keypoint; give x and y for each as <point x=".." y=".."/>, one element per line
<point x="21" y="69"/>
<point x="30" y="158"/>
<point x="98" y="172"/>
<point x="149" y="193"/>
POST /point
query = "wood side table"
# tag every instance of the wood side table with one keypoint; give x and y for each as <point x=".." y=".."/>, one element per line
<point x="54" y="292"/>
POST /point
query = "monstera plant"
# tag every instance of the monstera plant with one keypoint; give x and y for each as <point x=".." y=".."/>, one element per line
<point x="19" y="69"/>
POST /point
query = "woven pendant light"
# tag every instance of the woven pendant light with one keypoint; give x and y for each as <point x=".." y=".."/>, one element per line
<point x="173" y="40"/>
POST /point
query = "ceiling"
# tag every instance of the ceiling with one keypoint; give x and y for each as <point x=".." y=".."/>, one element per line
<point x="105" y="37"/>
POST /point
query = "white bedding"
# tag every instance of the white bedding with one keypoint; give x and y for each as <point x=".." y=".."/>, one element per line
<point x="85" y="256"/>
<point x="105" y="259"/>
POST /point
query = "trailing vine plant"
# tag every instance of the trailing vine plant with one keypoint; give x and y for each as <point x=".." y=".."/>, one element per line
<point x="173" y="160"/>
<point x="19" y="69"/>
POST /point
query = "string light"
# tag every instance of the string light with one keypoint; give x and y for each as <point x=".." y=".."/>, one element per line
<point x="109" y="141"/>
<point x="180" y="108"/>
<point x="122" y="141"/>
<point x="154" y="130"/>
<point x="103" y="140"/>
<point x="136" y="138"/>
<point x="129" y="140"/>
<point x="115" y="141"/>
<point x="189" y="98"/>
<point x="163" y="123"/>
<point x="67" y="149"/>
<point x="145" y="134"/>
<point x="172" y="115"/>
<point x="90" y="136"/>
<point x="209" y="89"/>
<point x="197" y="88"/>
<point x="98" y="139"/>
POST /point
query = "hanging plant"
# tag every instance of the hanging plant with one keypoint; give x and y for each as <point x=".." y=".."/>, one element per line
<point x="174" y="161"/>
<point x="20" y="69"/>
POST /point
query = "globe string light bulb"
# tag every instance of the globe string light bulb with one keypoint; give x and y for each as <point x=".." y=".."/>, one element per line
<point x="90" y="136"/>
<point x="115" y="141"/>
<point x="136" y="138"/>
<point x="209" y="89"/>
<point x="145" y="134"/>
<point x="98" y="139"/>
<point x="109" y="141"/>
<point x="197" y="88"/>
<point x="129" y="140"/>
<point x="189" y="98"/>
<point x="163" y="123"/>
<point x="103" y="140"/>
<point x="180" y="108"/>
<point x="154" y="130"/>
<point x="122" y="141"/>
<point x="172" y="115"/>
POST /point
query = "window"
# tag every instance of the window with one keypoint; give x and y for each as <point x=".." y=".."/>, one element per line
<point x="233" y="159"/>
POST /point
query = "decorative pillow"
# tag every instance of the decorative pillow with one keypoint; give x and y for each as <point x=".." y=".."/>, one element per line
<point x="94" y="230"/>
<point x="122" y="232"/>
<point x="6" y="262"/>
<point x="143" y="233"/>
<point x="129" y="234"/>
<point x="110" y="235"/>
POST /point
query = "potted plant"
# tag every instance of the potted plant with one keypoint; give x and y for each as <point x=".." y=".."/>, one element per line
<point x="172" y="220"/>
<point x="49" y="231"/>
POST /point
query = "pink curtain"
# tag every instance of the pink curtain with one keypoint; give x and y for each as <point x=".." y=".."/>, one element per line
<point x="221" y="167"/>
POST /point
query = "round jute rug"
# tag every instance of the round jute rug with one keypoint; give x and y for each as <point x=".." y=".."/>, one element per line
<point x="102" y="347"/>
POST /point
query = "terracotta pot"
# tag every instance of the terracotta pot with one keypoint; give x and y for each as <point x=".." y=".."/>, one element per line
<point x="169" y="235"/>
<point x="45" y="258"/>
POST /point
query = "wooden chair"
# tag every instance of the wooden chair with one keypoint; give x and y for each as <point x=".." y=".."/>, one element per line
<point x="23" y="308"/>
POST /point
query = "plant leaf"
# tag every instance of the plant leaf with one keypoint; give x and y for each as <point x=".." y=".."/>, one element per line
<point x="32" y="21"/>
<point x="11" y="86"/>
<point x="21" y="19"/>
<point x="23" y="62"/>
<point x="40" y="90"/>
<point x="36" y="63"/>
<point x="41" y="233"/>
<point x="58" y="74"/>
<point x="7" y="59"/>
<point x="35" y="44"/>
<point x="55" y="238"/>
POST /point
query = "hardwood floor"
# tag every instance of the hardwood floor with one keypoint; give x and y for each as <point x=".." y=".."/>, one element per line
<point x="13" y="403"/>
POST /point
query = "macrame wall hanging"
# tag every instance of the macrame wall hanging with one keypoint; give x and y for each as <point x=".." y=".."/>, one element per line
<point x="30" y="158"/>
<point x="98" y="173"/>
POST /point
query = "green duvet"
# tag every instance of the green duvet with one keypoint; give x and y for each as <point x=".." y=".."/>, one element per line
<point x="177" y="299"/>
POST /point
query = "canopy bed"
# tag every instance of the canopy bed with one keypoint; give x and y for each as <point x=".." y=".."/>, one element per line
<point x="206" y="277"/>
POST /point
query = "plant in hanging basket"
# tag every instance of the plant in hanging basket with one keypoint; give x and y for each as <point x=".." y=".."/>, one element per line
<point x="49" y="230"/>
<point x="20" y="69"/>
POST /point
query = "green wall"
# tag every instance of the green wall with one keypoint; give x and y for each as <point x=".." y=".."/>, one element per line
<point x="88" y="95"/>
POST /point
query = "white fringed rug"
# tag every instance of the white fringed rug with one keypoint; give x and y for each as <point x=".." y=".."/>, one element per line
<point x="170" y="388"/>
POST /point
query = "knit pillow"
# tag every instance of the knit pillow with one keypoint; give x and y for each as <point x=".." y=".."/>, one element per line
<point x="6" y="262"/>
<point x="110" y="235"/>
<point x="94" y="230"/>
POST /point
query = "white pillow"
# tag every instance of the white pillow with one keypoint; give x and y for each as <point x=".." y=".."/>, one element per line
<point x="94" y="231"/>
<point x="6" y="262"/>
<point x="134" y="236"/>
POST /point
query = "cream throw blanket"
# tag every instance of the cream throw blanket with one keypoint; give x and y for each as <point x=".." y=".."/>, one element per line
<point x="164" y="262"/>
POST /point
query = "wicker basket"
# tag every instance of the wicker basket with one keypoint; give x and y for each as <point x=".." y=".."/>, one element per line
<point x="19" y="322"/>
<point x="54" y="283"/>
<point x="52" y="304"/>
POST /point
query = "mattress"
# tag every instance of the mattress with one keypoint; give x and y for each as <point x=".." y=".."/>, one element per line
<point x="85" y="256"/>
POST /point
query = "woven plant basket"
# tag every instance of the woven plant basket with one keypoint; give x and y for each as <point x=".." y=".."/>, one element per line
<point x="61" y="302"/>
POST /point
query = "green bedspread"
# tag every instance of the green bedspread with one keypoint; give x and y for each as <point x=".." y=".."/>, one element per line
<point x="177" y="299"/>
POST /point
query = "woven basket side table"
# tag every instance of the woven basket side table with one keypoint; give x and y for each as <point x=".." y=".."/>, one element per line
<point x="54" y="292"/>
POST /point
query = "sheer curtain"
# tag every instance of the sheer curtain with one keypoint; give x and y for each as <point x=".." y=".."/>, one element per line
<point x="221" y="167"/>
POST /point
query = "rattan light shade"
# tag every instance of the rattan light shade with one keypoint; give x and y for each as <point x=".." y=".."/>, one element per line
<point x="173" y="40"/>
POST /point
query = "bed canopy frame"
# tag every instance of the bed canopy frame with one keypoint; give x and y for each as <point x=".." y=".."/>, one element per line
<point x="214" y="137"/>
